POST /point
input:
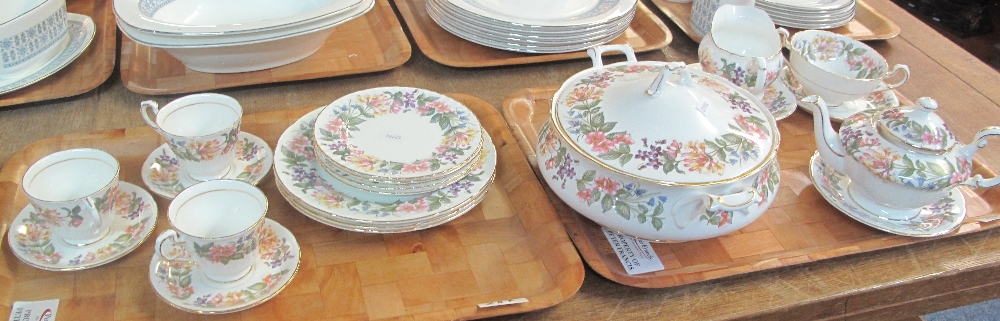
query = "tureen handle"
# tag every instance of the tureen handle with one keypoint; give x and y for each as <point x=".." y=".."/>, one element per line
<point x="656" y="87"/>
<point x="969" y="150"/>
<point x="596" y="52"/>
<point x="684" y="213"/>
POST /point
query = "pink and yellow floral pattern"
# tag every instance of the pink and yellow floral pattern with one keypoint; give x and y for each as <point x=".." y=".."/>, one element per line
<point x="303" y="173"/>
<point x="859" y="59"/>
<point x="251" y="163"/>
<point x="275" y="252"/>
<point x="863" y="143"/>
<point x="35" y="240"/>
<point x="460" y="132"/>
<point x="584" y="118"/>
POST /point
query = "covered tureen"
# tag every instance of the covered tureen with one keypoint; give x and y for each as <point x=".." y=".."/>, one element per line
<point x="659" y="151"/>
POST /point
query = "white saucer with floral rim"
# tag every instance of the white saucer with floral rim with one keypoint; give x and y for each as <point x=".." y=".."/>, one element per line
<point x="183" y="286"/>
<point x="32" y="241"/>
<point x="935" y="219"/>
<point x="165" y="177"/>
<point x="81" y="31"/>
<point x="878" y="99"/>
<point x="778" y="98"/>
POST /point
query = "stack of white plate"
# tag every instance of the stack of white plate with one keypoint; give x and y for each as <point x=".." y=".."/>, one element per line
<point x="386" y="160"/>
<point x="809" y="14"/>
<point x="534" y="26"/>
<point x="227" y="36"/>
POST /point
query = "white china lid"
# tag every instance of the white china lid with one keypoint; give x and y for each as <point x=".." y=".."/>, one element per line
<point x="919" y="127"/>
<point x="398" y="133"/>
<point x="696" y="128"/>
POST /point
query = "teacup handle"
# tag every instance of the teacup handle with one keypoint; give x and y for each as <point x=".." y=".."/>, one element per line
<point x="783" y="35"/>
<point x="896" y="68"/>
<point x="738" y="201"/>
<point x="969" y="150"/>
<point x="149" y="104"/>
<point x="94" y="213"/>
<point x="172" y="236"/>
<point x="596" y="52"/>
<point x="760" y="65"/>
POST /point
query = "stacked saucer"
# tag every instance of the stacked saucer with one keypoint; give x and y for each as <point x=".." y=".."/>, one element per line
<point x="386" y="160"/>
<point x="809" y="14"/>
<point x="534" y="26"/>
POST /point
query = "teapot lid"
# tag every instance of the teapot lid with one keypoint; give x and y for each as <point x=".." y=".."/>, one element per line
<point x="917" y="127"/>
<point x="688" y="128"/>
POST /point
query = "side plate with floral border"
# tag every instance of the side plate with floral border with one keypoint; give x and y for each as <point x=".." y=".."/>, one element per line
<point x="32" y="241"/>
<point x="297" y="169"/>
<point x="165" y="177"/>
<point x="934" y="220"/>
<point x="184" y="287"/>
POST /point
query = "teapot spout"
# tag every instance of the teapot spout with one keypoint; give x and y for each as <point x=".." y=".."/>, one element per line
<point x="827" y="140"/>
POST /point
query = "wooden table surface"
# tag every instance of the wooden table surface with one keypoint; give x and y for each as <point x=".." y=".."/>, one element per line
<point x="899" y="283"/>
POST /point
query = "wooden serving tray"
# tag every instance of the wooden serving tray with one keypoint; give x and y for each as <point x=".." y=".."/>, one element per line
<point x="510" y="246"/>
<point x="868" y="24"/>
<point x="88" y="71"/>
<point x="799" y="227"/>
<point x="645" y="33"/>
<point x="370" y="43"/>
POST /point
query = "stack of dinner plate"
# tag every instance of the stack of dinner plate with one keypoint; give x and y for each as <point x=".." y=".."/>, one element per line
<point x="386" y="160"/>
<point x="534" y="26"/>
<point x="809" y="14"/>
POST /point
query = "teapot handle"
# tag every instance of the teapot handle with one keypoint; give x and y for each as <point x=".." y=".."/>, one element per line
<point x="684" y="214"/>
<point x="596" y="52"/>
<point x="980" y="142"/>
<point x="896" y="68"/>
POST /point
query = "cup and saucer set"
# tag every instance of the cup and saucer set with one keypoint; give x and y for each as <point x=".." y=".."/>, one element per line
<point x="849" y="75"/>
<point x="220" y="254"/>
<point x="37" y="39"/>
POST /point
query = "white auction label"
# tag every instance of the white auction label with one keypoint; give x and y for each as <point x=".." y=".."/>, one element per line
<point x="503" y="302"/>
<point x="34" y="310"/>
<point x="637" y="256"/>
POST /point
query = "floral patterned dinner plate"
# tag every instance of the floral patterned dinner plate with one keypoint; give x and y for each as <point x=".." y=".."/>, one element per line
<point x="935" y="219"/>
<point x="397" y="133"/>
<point x="32" y="241"/>
<point x="878" y="99"/>
<point x="81" y="31"/>
<point x="165" y="177"/>
<point x="184" y="287"/>
<point x="297" y="170"/>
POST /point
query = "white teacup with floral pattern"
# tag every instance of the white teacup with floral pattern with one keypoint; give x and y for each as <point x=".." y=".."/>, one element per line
<point x="838" y="68"/>
<point x="74" y="190"/>
<point x="201" y="130"/>
<point x="743" y="47"/>
<point x="217" y="223"/>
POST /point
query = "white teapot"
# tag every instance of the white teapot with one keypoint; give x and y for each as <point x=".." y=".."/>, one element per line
<point x="901" y="158"/>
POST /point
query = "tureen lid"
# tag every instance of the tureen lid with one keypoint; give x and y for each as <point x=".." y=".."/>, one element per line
<point x="688" y="128"/>
<point x="917" y="127"/>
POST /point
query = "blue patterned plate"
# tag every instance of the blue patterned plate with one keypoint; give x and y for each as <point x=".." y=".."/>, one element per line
<point x="81" y="32"/>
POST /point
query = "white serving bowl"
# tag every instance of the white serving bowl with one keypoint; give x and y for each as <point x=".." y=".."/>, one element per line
<point x="199" y="17"/>
<point x="232" y="53"/>
<point x="31" y="33"/>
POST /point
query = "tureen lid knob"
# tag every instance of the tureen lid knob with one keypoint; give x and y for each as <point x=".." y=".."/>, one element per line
<point x="927" y="103"/>
<point x="916" y="128"/>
